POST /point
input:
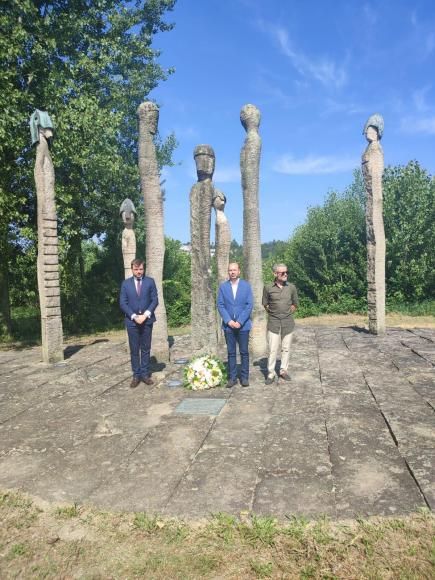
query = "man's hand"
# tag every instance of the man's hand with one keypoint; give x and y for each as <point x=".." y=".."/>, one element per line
<point x="234" y="324"/>
<point x="140" y="318"/>
<point x="292" y="308"/>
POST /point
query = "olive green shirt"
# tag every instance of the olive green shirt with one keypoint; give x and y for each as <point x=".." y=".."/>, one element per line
<point x="277" y="301"/>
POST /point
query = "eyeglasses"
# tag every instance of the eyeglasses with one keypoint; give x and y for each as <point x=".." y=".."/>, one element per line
<point x="283" y="273"/>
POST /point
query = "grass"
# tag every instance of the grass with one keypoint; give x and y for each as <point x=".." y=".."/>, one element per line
<point x="72" y="542"/>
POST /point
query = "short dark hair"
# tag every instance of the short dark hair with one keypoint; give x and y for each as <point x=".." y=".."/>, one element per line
<point x="137" y="262"/>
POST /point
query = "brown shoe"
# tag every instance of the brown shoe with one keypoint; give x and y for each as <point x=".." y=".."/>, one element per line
<point x="134" y="382"/>
<point x="148" y="380"/>
<point x="284" y="376"/>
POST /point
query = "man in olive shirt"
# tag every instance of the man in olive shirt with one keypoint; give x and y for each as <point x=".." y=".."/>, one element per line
<point x="280" y="300"/>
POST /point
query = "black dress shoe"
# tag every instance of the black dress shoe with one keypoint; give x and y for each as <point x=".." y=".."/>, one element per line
<point x="270" y="380"/>
<point x="284" y="376"/>
<point x="148" y="380"/>
<point x="230" y="384"/>
<point x="245" y="383"/>
<point x="134" y="382"/>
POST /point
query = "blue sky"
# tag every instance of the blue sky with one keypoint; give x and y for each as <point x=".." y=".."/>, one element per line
<point x="316" y="69"/>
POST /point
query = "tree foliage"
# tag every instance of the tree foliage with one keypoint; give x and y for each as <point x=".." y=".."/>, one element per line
<point x="409" y="210"/>
<point x="326" y="255"/>
<point x="89" y="64"/>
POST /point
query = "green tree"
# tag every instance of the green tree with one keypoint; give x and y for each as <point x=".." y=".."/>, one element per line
<point x="326" y="255"/>
<point x="89" y="64"/>
<point x="177" y="283"/>
<point x="409" y="214"/>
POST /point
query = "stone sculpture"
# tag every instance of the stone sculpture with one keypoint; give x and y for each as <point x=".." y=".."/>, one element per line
<point x="252" y="264"/>
<point x="148" y="114"/>
<point x="41" y="130"/>
<point x="127" y="212"/>
<point x="203" y="312"/>
<point x="222" y="247"/>
<point x="222" y="236"/>
<point x="372" y="169"/>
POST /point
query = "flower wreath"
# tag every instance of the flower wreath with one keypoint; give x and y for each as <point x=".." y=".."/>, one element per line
<point x="204" y="372"/>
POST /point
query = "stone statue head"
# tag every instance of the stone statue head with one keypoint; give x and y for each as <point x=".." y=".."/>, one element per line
<point x="219" y="200"/>
<point x="205" y="159"/>
<point x="375" y="122"/>
<point x="149" y="113"/>
<point x="40" y="123"/>
<point x="250" y="117"/>
<point x="127" y="212"/>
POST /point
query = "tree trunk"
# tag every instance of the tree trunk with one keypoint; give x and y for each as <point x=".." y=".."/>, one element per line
<point x="5" y="311"/>
<point x="154" y="226"/>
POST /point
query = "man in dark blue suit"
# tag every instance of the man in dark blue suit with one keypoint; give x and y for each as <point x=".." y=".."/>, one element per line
<point x="235" y="303"/>
<point x="138" y="301"/>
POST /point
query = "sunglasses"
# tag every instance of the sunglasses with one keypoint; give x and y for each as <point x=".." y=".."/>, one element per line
<point x="283" y="273"/>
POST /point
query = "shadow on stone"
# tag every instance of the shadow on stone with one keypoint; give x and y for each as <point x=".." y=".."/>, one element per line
<point x="157" y="366"/>
<point x="72" y="349"/>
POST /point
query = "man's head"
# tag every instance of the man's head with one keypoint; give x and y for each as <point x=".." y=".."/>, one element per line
<point x="137" y="267"/>
<point x="233" y="271"/>
<point x="280" y="272"/>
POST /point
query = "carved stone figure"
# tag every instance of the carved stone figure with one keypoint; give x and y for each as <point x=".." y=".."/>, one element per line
<point x="204" y="329"/>
<point x="148" y="114"/>
<point x="252" y="265"/>
<point x="41" y="129"/>
<point x="222" y="246"/>
<point x="222" y="236"/>
<point x="127" y="212"/>
<point x="372" y="169"/>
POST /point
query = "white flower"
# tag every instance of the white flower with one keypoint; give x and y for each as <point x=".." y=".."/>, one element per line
<point x="203" y="373"/>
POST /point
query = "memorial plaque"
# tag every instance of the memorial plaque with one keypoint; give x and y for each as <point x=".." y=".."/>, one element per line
<point x="201" y="406"/>
<point x="173" y="383"/>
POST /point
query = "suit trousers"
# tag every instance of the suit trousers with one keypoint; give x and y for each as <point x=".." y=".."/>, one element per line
<point x="139" y="339"/>
<point x="274" y="341"/>
<point x="234" y="337"/>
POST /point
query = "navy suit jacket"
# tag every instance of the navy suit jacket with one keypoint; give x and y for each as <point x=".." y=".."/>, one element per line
<point x="238" y="309"/>
<point x="131" y="303"/>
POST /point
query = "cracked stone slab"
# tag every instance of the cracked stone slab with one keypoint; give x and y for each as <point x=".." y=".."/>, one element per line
<point x="290" y="494"/>
<point x="221" y="479"/>
<point x="370" y="475"/>
<point x="149" y="474"/>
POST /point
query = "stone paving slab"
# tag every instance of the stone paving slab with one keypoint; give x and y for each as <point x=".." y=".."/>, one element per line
<point x="352" y="434"/>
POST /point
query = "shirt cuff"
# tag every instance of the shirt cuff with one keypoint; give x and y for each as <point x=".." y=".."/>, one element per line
<point x="147" y="313"/>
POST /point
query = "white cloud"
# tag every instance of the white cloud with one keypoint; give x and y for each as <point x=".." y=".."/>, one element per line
<point x="370" y="14"/>
<point x="419" y="98"/>
<point x="311" y="164"/>
<point x="425" y="125"/>
<point x="322" y="69"/>
<point x="229" y="174"/>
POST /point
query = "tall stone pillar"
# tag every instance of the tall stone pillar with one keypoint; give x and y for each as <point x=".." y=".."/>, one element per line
<point x="252" y="264"/>
<point x="127" y="212"/>
<point x="41" y="129"/>
<point x="372" y="169"/>
<point x="148" y="113"/>
<point x="223" y="247"/>
<point x="203" y="309"/>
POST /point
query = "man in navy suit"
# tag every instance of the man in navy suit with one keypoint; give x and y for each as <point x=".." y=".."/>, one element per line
<point x="235" y="303"/>
<point x="138" y="301"/>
